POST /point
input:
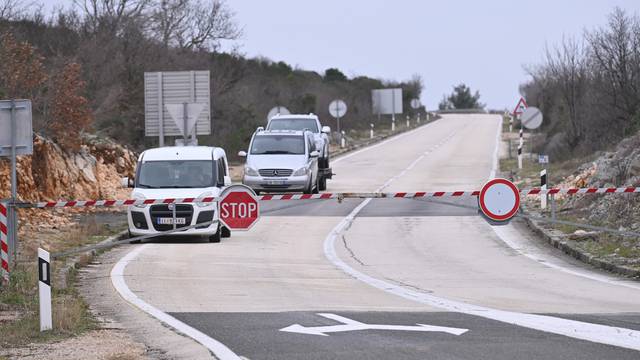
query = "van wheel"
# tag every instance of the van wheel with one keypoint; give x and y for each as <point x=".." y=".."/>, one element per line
<point x="322" y="183"/>
<point x="225" y="232"/>
<point x="215" y="238"/>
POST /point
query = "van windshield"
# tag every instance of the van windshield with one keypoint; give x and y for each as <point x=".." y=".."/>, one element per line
<point x="278" y="144"/>
<point x="294" y="124"/>
<point x="177" y="174"/>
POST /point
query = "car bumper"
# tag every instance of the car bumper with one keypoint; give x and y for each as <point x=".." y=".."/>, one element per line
<point x="143" y="222"/>
<point x="291" y="183"/>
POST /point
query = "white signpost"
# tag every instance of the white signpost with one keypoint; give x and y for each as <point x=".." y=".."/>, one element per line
<point x="16" y="138"/>
<point x="176" y="88"/>
<point x="277" y="110"/>
<point x="337" y="109"/>
<point x="387" y="101"/>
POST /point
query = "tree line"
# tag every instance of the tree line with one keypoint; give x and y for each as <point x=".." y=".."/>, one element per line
<point x="589" y="87"/>
<point x="84" y="66"/>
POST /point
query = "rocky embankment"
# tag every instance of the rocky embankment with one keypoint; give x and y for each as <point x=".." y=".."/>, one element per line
<point x="52" y="173"/>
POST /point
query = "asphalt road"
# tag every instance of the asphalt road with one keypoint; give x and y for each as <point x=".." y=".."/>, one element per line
<point x="393" y="262"/>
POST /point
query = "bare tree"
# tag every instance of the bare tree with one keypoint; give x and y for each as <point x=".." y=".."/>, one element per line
<point x="13" y="9"/>
<point x="194" y="24"/>
<point x="615" y="52"/>
<point x="110" y="15"/>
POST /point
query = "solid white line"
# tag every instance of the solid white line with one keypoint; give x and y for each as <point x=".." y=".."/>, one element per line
<point x="616" y="336"/>
<point x="117" y="279"/>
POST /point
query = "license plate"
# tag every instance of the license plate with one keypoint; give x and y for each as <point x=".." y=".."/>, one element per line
<point x="275" y="182"/>
<point x="169" y="221"/>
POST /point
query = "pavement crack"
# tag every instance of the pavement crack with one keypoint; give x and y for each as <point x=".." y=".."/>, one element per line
<point x="351" y="253"/>
<point x="407" y="285"/>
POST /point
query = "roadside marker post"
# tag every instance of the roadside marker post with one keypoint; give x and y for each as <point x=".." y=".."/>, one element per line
<point x="543" y="186"/>
<point x="371" y="132"/>
<point x="343" y="141"/>
<point x="520" y="145"/>
<point x="44" y="289"/>
<point x="408" y="122"/>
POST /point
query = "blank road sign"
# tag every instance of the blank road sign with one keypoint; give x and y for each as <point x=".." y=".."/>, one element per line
<point x="386" y="101"/>
<point x="337" y="108"/>
<point x="175" y="87"/>
<point x="24" y="131"/>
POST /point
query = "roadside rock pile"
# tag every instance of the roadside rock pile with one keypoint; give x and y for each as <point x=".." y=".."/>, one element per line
<point x="52" y="173"/>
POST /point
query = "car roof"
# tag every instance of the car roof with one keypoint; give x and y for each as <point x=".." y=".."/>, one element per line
<point x="295" y="116"/>
<point x="182" y="153"/>
<point x="280" y="132"/>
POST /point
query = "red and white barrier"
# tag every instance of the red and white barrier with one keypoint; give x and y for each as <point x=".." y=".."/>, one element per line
<point x="4" y="244"/>
<point x="129" y="202"/>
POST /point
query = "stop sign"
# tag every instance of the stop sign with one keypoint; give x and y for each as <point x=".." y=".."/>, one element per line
<point x="239" y="207"/>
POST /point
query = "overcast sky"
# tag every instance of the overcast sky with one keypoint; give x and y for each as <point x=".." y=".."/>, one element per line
<point x="481" y="43"/>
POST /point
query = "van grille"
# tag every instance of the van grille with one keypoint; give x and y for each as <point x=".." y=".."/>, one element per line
<point x="275" y="172"/>
<point x="163" y="211"/>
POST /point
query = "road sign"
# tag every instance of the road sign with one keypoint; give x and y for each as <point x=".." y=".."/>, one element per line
<point x="531" y="118"/>
<point x="175" y="87"/>
<point x="337" y="108"/>
<point x="415" y="103"/>
<point x="520" y="107"/>
<point x="185" y="116"/>
<point x="543" y="159"/>
<point x="499" y="200"/>
<point x="239" y="207"/>
<point x="352" y="325"/>
<point x="281" y="110"/>
<point x="23" y="138"/>
<point x="387" y="101"/>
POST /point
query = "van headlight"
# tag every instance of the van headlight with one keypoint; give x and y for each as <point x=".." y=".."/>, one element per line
<point x="204" y="195"/>
<point x="302" y="171"/>
<point x="250" y="171"/>
<point x="138" y="196"/>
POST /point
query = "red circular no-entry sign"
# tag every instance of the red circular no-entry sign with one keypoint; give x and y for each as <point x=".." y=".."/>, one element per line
<point x="499" y="199"/>
<point x="239" y="207"/>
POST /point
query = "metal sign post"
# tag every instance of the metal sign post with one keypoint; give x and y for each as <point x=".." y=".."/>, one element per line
<point x="16" y="138"/>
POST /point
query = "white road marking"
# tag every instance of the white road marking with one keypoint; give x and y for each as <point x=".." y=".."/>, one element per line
<point x="611" y="335"/>
<point x="117" y="279"/>
<point x="352" y="325"/>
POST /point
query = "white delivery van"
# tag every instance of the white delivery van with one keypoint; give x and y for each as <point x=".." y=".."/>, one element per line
<point x="178" y="172"/>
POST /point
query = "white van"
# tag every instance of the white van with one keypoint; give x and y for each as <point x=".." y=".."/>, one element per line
<point x="178" y="172"/>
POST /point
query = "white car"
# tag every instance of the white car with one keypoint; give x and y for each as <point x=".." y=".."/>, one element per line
<point x="178" y="172"/>
<point x="281" y="161"/>
<point x="311" y="123"/>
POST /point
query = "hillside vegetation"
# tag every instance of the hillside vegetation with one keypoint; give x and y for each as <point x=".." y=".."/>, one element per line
<point x="92" y="60"/>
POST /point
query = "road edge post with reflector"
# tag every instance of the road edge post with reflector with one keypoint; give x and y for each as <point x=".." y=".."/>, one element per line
<point x="499" y="201"/>
<point x="229" y="191"/>
<point x="44" y="289"/>
<point x="543" y="186"/>
<point x="520" y="145"/>
<point x="4" y="244"/>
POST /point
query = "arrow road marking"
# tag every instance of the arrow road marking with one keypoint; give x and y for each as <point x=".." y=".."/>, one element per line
<point x="353" y="325"/>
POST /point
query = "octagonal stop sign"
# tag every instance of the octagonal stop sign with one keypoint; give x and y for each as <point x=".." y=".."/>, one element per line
<point x="239" y="207"/>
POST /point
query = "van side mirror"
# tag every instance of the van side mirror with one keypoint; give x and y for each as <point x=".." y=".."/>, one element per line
<point x="314" y="154"/>
<point x="242" y="153"/>
<point x="326" y="130"/>
<point x="125" y="182"/>
<point x="227" y="180"/>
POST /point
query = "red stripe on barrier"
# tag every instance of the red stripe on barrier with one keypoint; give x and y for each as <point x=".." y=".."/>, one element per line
<point x="266" y="197"/>
<point x="4" y="247"/>
<point x="534" y="192"/>
<point x="553" y="191"/>
<point x="188" y="200"/>
<point x="286" y="196"/>
<point x="325" y="196"/>
<point x="305" y="196"/>
<point x="475" y="193"/>
<point x="3" y="210"/>
<point x="420" y="194"/>
<point x="591" y="190"/>
<point x="111" y="202"/>
<point x="165" y="201"/>
<point x="572" y="191"/>
<point x="3" y="228"/>
<point x="438" y="193"/>
<point x="399" y="195"/>
<point x="90" y="203"/>
<point x="610" y="190"/>
<point x="630" y="189"/>
<point x="457" y="193"/>
<point x="50" y="204"/>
